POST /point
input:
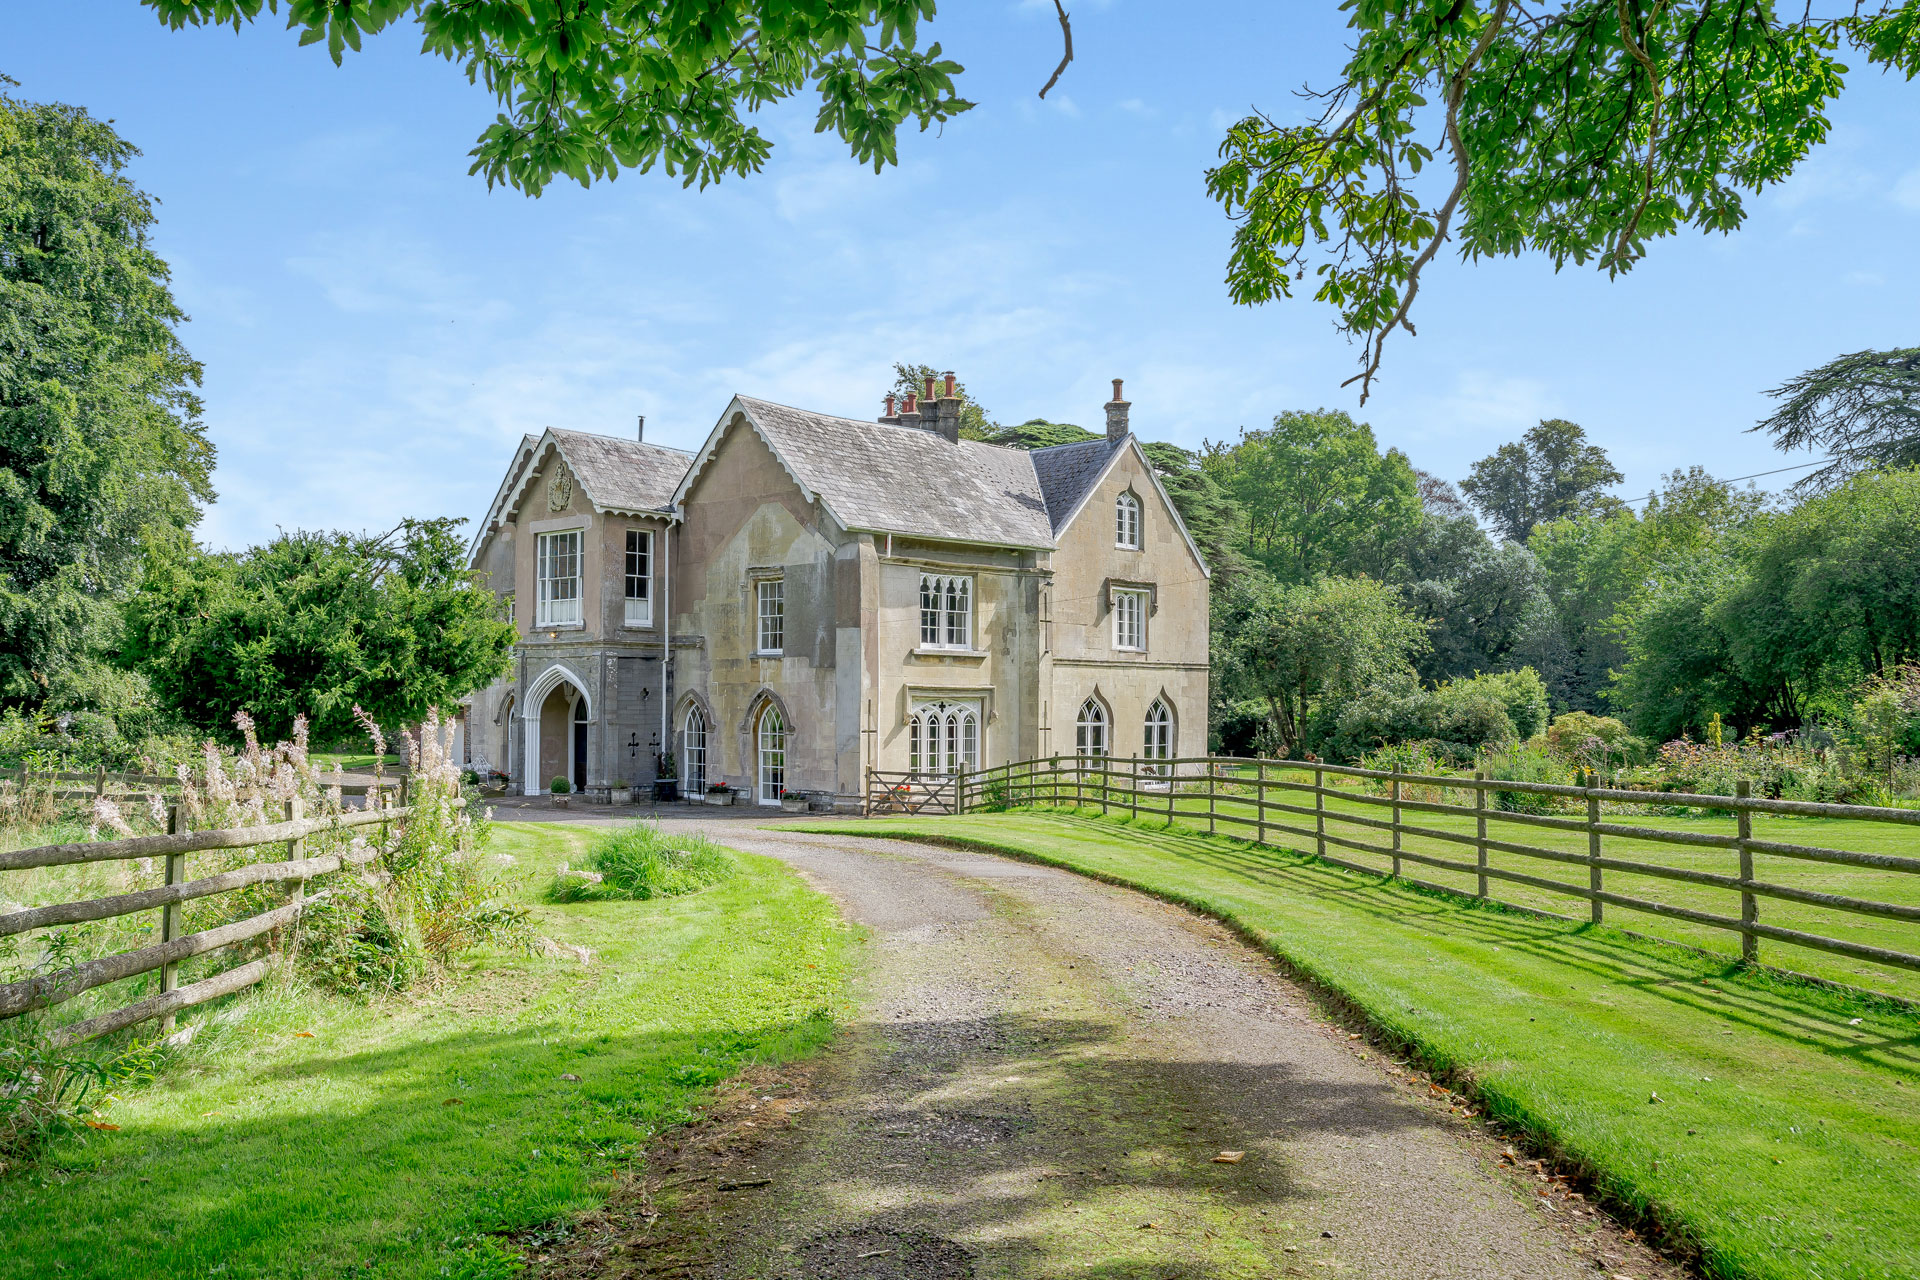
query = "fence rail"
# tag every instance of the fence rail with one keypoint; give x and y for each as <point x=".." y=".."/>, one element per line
<point x="134" y="787"/>
<point x="46" y="990"/>
<point x="1250" y="797"/>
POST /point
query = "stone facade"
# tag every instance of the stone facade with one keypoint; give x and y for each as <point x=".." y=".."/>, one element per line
<point x="836" y="597"/>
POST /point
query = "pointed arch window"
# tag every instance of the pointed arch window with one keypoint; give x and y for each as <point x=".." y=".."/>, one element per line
<point x="944" y="737"/>
<point x="1090" y="730"/>
<point x="1159" y="734"/>
<point x="693" y="753"/>
<point x="1126" y="522"/>
<point x="946" y="612"/>
<point x="770" y="748"/>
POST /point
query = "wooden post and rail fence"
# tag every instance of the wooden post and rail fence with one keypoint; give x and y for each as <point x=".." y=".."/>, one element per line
<point x="1263" y="799"/>
<point x="169" y="899"/>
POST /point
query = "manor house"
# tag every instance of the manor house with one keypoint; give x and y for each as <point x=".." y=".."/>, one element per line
<point x="809" y="597"/>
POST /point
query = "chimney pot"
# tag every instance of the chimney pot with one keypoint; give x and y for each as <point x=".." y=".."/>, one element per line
<point x="640" y="430"/>
<point x="912" y="407"/>
<point x="1117" y="416"/>
<point x="889" y="412"/>
<point x="927" y="393"/>
<point x="949" y="384"/>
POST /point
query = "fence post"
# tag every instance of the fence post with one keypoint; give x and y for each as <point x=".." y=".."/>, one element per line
<point x="1480" y="823"/>
<point x="1133" y="785"/>
<point x="170" y="916"/>
<point x="1212" y="791"/>
<point x="100" y="783"/>
<point x="960" y="791"/>
<point x="1593" y="848"/>
<point x="1396" y="822"/>
<point x="1054" y="781"/>
<point x="1749" y="905"/>
<point x="1106" y="783"/>
<point x="1259" y="800"/>
<point x="1319" y="812"/>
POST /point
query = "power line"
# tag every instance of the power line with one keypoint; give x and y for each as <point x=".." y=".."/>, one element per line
<point x="1737" y="479"/>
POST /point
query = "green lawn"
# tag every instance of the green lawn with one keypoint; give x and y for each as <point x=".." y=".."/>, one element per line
<point x="1786" y="1138"/>
<point x="269" y="1153"/>
<point x="1901" y="888"/>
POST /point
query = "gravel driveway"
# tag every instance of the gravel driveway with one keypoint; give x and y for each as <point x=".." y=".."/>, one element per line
<point x="1049" y="1078"/>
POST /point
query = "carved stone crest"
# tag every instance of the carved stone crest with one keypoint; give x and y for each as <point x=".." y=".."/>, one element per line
<point x="559" y="490"/>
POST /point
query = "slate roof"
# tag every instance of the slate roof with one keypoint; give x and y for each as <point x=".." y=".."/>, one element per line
<point x="886" y="479"/>
<point x="1066" y="472"/>
<point x="621" y="474"/>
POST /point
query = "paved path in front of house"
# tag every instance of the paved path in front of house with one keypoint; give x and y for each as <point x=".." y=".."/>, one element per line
<point x="1044" y="1073"/>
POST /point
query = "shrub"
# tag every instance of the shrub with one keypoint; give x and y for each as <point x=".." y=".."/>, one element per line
<point x="1456" y="720"/>
<point x="1521" y="693"/>
<point x="1525" y="762"/>
<point x="559" y="786"/>
<point x="1593" y="742"/>
<point x="637" y="862"/>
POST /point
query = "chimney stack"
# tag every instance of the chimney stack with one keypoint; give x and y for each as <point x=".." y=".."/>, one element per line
<point x="1117" y="416"/>
<point x="640" y="431"/>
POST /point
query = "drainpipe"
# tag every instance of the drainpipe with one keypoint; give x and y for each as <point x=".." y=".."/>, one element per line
<point x="666" y="639"/>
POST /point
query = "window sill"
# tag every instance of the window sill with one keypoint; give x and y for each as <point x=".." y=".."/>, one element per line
<point x="924" y="651"/>
<point x="1127" y="546"/>
<point x="1129" y="650"/>
<point x="638" y="626"/>
<point x="769" y="653"/>
<point x="560" y="626"/>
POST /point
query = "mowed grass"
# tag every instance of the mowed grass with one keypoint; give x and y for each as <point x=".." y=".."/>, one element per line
<point x="386" y="1143"/>
<point x="1237" y="815"/>
<point x="1785" y="1141"/>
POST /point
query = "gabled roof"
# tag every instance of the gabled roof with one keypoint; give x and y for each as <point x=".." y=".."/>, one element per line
<point x="878" y="478"/>
<point x="620" y="474"/>
<point x="1068" y="473"/>
<point x="1071" y="472"/>
<point x="615" y="474"/>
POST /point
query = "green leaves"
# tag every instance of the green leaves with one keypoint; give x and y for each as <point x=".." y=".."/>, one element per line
<point x="1583" y="130"/>
<point x="101" y="448"/>
<point x="588" y="88"/>
<point x="313" y="623"/>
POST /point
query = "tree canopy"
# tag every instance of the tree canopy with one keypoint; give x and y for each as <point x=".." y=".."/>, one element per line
<point x="1861" y="410"/>
<point x="1298" y="648"/>
<point x="313" y="624"/>
<point x="101" y="447"/>
<point x="1578" y="129"/>
<point x="1315" y="495"/>
<point x="1548" y="475"/>
<point x="586" y="90"/>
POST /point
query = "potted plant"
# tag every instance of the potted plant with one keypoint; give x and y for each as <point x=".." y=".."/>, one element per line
<point x="793" y="801"/>
<point x="719" y="793"/>
<point x="620" y="794"/>
<point x="559" y="789"/>
<point x="666" y="778"/>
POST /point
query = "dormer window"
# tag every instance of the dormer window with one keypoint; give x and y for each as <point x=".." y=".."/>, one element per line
<point x="946" y="612"/>
<point x="1126" y="522"/>
<point x="639" y="578"/>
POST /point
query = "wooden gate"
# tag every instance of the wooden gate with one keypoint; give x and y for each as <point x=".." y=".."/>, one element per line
<point x="913" y="792"/>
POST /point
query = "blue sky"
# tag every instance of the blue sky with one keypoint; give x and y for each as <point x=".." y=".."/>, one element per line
<point x="378" y="327"/>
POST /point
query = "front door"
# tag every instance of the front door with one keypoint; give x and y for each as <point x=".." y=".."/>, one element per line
<point x="580" y="746"/>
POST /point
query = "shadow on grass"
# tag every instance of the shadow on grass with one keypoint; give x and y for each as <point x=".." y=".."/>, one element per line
<point x="368" y="1163"/>
<point x="1804" y="1014"/>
